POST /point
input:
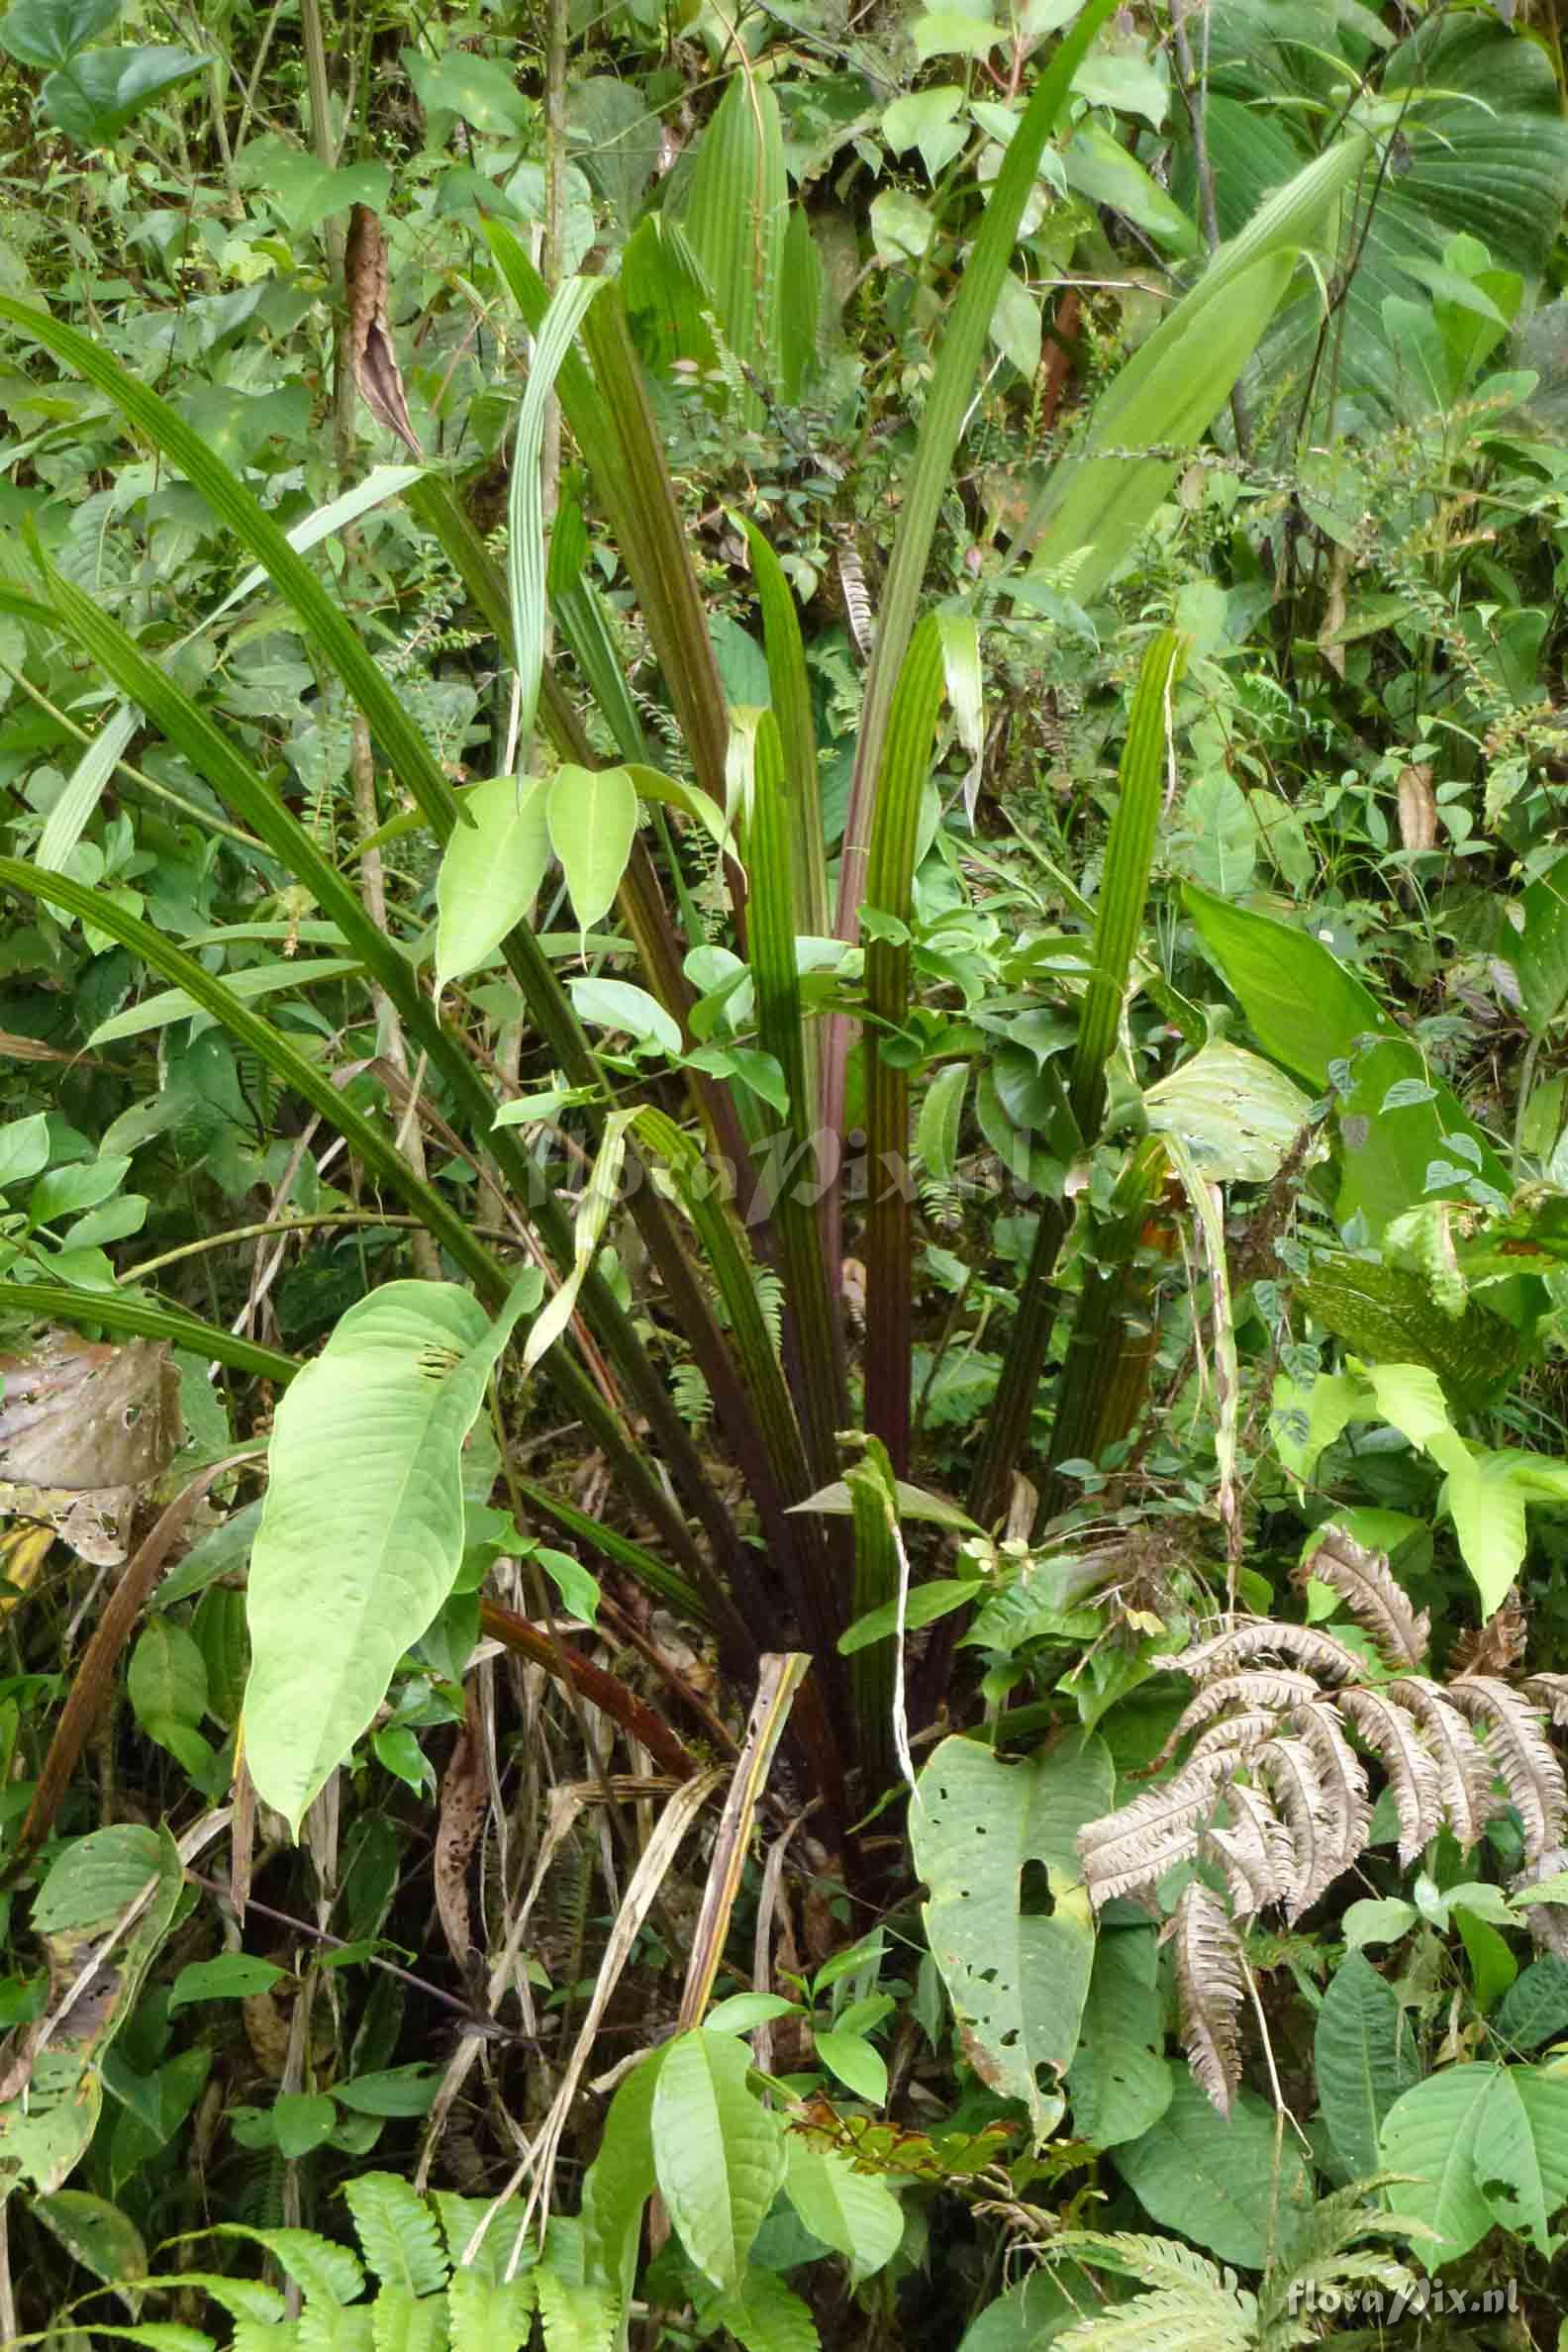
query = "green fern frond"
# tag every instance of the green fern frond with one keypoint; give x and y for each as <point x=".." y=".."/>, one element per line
<point x="492" y="2258"/>
<point x="1178" y="2319"/>
<point x="693" y="1397"/>
<point x="489" y="2316"/>
<point x="1155" y="2261"/>
<point x="397" y="2231"/>
<point x="770" y="1300"/>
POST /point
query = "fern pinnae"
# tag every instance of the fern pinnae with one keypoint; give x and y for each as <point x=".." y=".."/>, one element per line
<point x="1517" y="1745"/>
<point x="1304" y="1646"/>
<point x="1211" y="1988"/>
<point x="1174" y="2319"/>
<point x="1394" y="1738"/>
<point x="1135" y="1848"/>
<point x="1254" y="1850"/>
<point x="1289" y="1770"/>
<point x="1236" y="1737"/>
<point x="1258" y="1689"/>
<point x="1464" y="1771"/>
<point x="1367" y="1586"/>
<point x="1344" y="1777"/>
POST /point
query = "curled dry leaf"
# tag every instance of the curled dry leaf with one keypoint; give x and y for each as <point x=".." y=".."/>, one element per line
<point x="464" y="1793"/>
<point x="370" y="345"/>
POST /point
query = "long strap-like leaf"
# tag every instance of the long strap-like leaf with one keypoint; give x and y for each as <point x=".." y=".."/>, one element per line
<point x="323" y="619"/>
<point x="890" y="879"/>
<point x="1119" y="918"/>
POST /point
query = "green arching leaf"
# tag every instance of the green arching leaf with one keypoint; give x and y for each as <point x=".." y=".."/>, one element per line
<point x="982" y="1832"/>
<point x="138" y="1317"/>
<point x="797" y="725"/>
<point x="363" y="1531"/>
<point x="965" y="327"/>
<point x="1229" y="2183"/>
<point x="246" y="982"/>
<point x="1364" y="2058"/>
<point x="321" y="617"/>
<point x="734" y="212"/>
<point x="1169" y="392"/>
<point x="1129" y="855"/>
<point x="718" y="2153"/>
<point x="1382" y="1313"/>
<point x="525" y="509"/>
<point x="889" y="887"/>
<point x="490" y="872"/>
<point x="592" y="813"/>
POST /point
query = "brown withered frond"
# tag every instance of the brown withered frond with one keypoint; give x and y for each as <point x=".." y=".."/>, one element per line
<point x="1394" y="1738"/>
<point x="1209" y="1989"/>
<point x="1366" y="1585"/>
<point x="1265" y="1688"/>
<point x="1463" y="1772"/>
<point x="1306" y="1646"/>
<point x="1135" y="1848"/>
<point x="1254" y="1850"/>
<point x="1273" y="1798"/>
<point x="1518" y="1746"/>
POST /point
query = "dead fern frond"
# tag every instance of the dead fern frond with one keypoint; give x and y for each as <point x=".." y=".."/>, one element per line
<point x="1394" y="1738"/>
<point x="1518" y="1746"/>
<point x="1135" y="1848"/>
<point x="1263" y="1689"/>
<point x="1211" y="1988"/>
<point x="1463" y="1770"/>
<point x="1254" y="1850"/>
<point x="1306" y="1646"/>
<point x="1366" y="1585"/>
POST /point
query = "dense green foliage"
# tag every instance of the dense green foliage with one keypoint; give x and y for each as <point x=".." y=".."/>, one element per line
<point x="784" y="1175"/>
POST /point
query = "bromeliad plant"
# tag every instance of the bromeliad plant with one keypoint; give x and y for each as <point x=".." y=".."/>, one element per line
<point x="757" y="1059"/>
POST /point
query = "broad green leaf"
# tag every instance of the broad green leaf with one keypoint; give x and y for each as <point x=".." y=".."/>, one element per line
<point x="166" y="1680"/>
<point x="1030" y="2315"/>
<point x="622" y="1005"/>
<point x="985" y="1836"/>
<point x="46" y="33"/>
<point x="1214" y="2178"/>
<point x="1386" y="1314"/>
<point x="24" y="1149"/>
<point x="1120" y="2084"/>
<point x="592" y="813"/>
<point x="1538" y="951"/>
<point x="1439" y="2130"/>
<point x="852" y="2212"/>
<point x="1535" y="2008"/>
<point x="94" y="1877"/>
<point x="718" y="2153"/>
<point x="490" y="872"/>
<point x="926" y="118"/>
<point x="363" y="1531"/>
<point x="1378" y="1920"/>
<point x="101" y="89"/>
<point x="94" y="2232"/>
<point x="620" y="2180"/>
<point x="1364" y="2058"/>
<point x="1096" y="166"/>
<point x="302" y="2120"/>
<point x="233" y="1976"/>
<point x="765" y="2316"/>
<point x="859" y="2067"/>
<point x="480" y="89"/>
<point x="1235" y="1113"/>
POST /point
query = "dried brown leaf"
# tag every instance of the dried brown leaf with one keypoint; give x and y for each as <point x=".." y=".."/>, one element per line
<point x="1306" y="1646"/>
<point x="1209" y="1989"/>
<point x="1394" y="1738"/>
<point x="370" y="347"/>
<point x="1517" y="1745"/>
<point x="464" y="1797"/>
<point x="1464" y="1770"/>
<point x="1378" y="1603"/>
